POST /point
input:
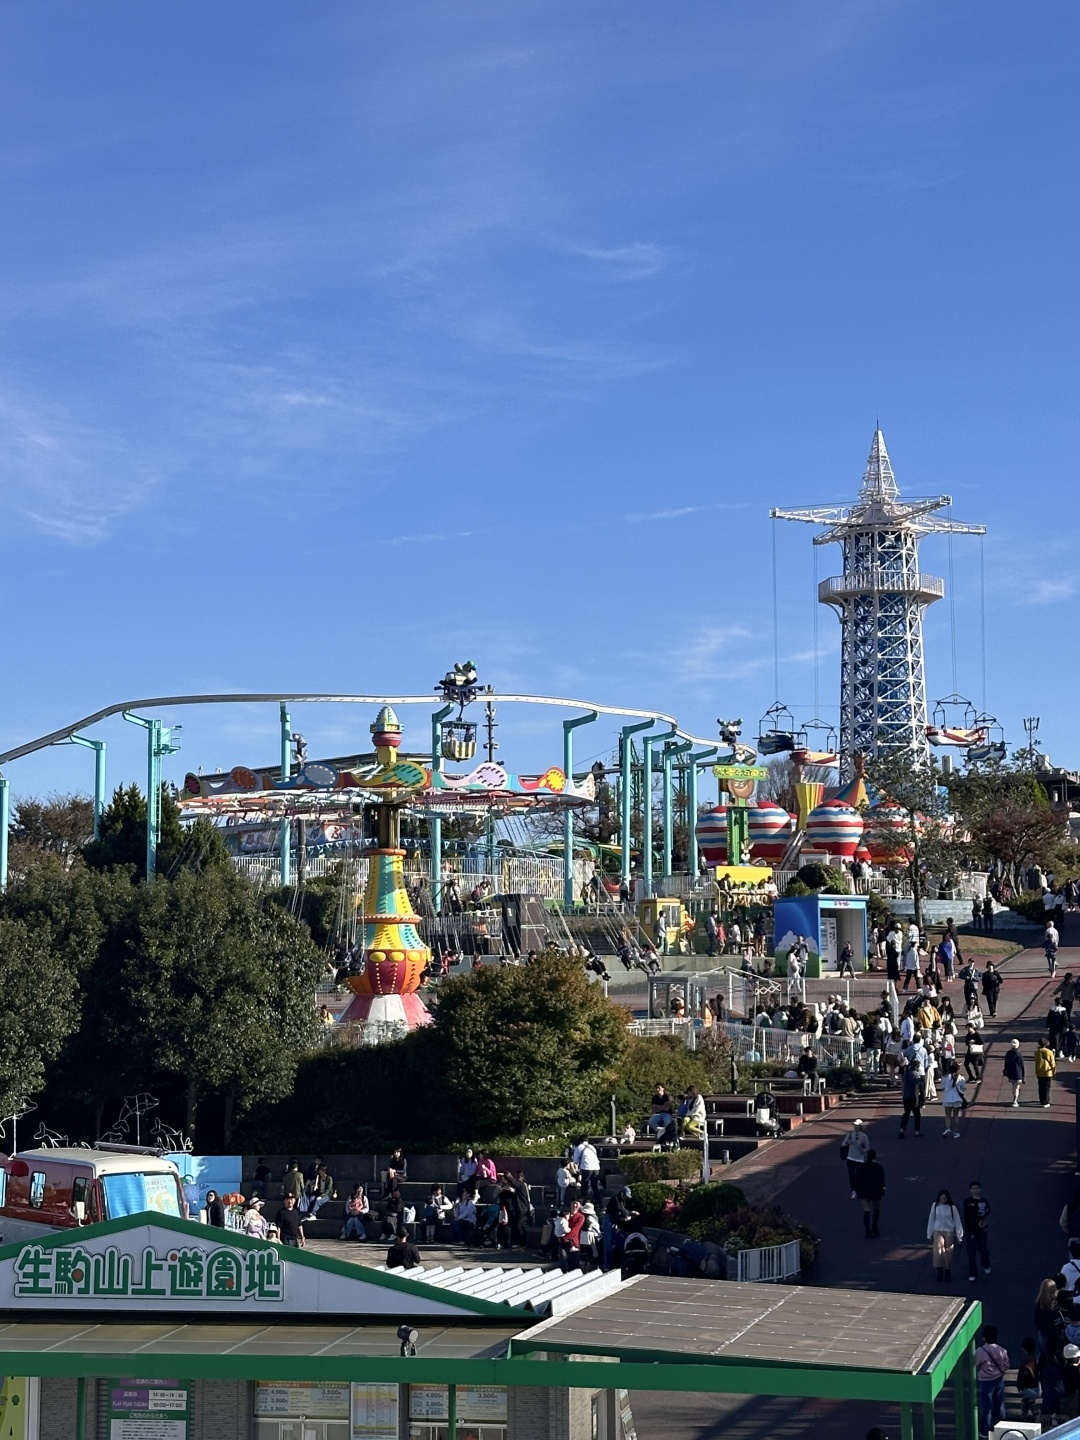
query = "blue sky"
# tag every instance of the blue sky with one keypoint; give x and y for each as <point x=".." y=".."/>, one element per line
<point x="342" y="341"/>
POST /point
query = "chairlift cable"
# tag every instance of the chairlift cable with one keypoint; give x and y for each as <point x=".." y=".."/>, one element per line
<point x="952" y="609"/>
<point x="982" y="613"/>
<point x="775" y="622"/>
<point x="817" y="667"/>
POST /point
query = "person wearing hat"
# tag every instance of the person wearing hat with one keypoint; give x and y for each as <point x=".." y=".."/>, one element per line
<point x="854" y="1148"/>
<point x="1070" y="1381"/>
<point x="590" y="1239"/>
<point x="253" y="1222"/>
<point x="1013" y="1070"/>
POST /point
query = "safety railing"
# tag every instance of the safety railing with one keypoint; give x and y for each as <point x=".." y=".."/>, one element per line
<point x="877" y="581"/>
<point x="766" y="1262"/>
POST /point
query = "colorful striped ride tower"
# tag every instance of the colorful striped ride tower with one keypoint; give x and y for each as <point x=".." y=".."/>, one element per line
<point x="394" y="954"/>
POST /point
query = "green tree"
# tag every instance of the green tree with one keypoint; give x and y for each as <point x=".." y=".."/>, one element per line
<point x="224" y="985"/>
<point x="1008" y="818"/>
<point x="916" y="820"/>
<point x="40" y="1008"/>
<point x="521" y="1047"/>
<point x="122" y="840"/>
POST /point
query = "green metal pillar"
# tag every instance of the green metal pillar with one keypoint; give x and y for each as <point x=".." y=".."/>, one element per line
<point x="907" y="1428"/>
<point x="646" y="803"/>
<point x="5" y="819"/>
<point x="568" y="728"/>
<point x="435" y="821"/>
<point x="669" y="754"/>
<point x="971" y="1386"/>
<point x="158" y="744"/>
<point x="626" y="787"/>
<point x="80" y="1409"/>
<point x="451" y="1412"/>
<point x="691" y="806"/>
<point x="98" y="747"/>
<point x="929" y="1421"/>
<point x="285" y="841"/>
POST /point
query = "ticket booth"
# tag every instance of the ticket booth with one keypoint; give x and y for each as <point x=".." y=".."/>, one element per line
<point x="826" y="923"/>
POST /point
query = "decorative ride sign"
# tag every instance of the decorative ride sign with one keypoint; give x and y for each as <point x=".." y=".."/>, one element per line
<point x="741" y="772"/>
<point x="185" y="1272"/>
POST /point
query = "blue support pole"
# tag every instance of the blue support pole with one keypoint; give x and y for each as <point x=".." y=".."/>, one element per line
<point x="568" y="728"/>
<point x="286" y="775"/>
<point x="158" y="743"/>
<point x="5" y="819"/>
<point x="646" y="803"/>
<point x="98" y="747"/>
<point x="692" y="803"/>
<point x="625" y="795"/>
<point x="435" y="821"/>
<point x="669" y="754"/>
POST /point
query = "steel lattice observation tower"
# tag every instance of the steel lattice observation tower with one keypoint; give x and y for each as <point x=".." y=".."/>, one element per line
<point x="880" y="598"/>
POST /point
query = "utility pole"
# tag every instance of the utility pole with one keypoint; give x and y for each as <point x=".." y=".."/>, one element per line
<point x="1031" y="729"/>
<point x="491" y="725"/>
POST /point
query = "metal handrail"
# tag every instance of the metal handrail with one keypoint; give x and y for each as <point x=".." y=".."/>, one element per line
<point x="860" y="581"/>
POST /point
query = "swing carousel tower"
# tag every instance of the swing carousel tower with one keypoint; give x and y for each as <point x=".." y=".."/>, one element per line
<point x="880" y="599"/>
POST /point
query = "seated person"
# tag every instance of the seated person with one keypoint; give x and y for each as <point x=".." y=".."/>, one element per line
<point x="693" y="1120"/>
<point x="807" y="1066"/>
<point x="661" y="1118"/>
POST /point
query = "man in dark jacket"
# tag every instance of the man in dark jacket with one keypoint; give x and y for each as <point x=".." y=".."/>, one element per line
<point x="402" y="1254"/>
<point x="870" y="1187"/>
<point x="977" y="1230"/>
<point x="1013" y="1070"/>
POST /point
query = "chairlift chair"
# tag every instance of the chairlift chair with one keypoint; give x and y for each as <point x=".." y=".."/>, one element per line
<point x="776" y="730"/>
<point x="458" y="739"/>
<point x="816" y="743"/>
<point x="954" y="723"/>
<point x="992" y="747"/>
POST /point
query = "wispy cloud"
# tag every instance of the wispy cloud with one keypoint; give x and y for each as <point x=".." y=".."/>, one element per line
<point x="69" y="479"/>
<point x="638" y="516"/>
<point x="626" y="262"/>
<point x="1048" y="592"/>
<point x="431" y="538"/>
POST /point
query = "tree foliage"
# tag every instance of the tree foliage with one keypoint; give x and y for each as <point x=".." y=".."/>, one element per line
<point x="58" y="826"/>
<point x="1008" y="818"/>
<point x="39" y="1008"/>
<point x="916" y="822"/>
<point x="122" y="839"/>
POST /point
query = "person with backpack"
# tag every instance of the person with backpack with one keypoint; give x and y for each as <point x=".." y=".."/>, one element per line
<point x="1013" y="1070"/>
<point x="912" y="1081"/>
<point x="991" y="1367"/>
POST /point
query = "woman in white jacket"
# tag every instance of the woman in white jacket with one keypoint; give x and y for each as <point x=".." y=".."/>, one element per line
<point x="944" y="1230"/>
<point x="952" y="1097"/>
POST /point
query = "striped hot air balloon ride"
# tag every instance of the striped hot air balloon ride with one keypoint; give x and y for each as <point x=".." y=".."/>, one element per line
<point x="835" y="829"/>
<point x="711" y="832"/>
<point x="770" y="830"/>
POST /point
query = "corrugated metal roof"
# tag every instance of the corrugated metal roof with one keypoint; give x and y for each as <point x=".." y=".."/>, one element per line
<point x="545" y="1292"/>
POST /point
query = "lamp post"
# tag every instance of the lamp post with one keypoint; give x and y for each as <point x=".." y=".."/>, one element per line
<point x="625" y="795"/>
<point x="286" y="775"/>
<point x="646" y="803"/>
<point x="5" y="816"/>
<point x="435" y="821"/>
<point x="159" y="742"/>
<point x="98" y="747"/>
<point x="568" y="728"/>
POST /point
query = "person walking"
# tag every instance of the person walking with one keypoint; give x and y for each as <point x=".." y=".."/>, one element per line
<point x="991" y="1367"/>
<point x="976" y="1216"/>
<point x="976" y="913"/>
<point x="991" y="986"/>
<point x="854" y="1149"/>
<point x="953" y="1086"/>
<point x="911" y="962"/>
<point x="870" y="1187"/>
<point x="1045" y="1069"/>
<point x="1013" y="1070"/>
<point x="974" y="1054"/>
<point x="944" y="1229"/>
<point x="911" y="1089"/>
<point x="1066" y="992"/>
<point x="1051" y="940"/>
<point x="847" y="961"/>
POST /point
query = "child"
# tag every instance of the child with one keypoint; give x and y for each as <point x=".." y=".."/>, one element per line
<point x="1027" y="1381"/>
<point x="1071" y="1041"/>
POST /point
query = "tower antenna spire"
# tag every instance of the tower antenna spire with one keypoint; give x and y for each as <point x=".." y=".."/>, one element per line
<point x="879" y="599"/>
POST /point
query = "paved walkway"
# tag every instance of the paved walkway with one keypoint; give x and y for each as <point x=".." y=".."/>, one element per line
<point x="1023" y="1158"/>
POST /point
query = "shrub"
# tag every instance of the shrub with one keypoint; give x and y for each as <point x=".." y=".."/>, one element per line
<point x="705" y="1203"/>
<point x="877" y="909"/>
<point x="1029" y="903"/>
<point x="796" y="887"/>
<point x="649" y="1197"/>
<point x="751" y="1226"/>
<point x="823" y="877"/>
<point x="666" y="1165"/>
